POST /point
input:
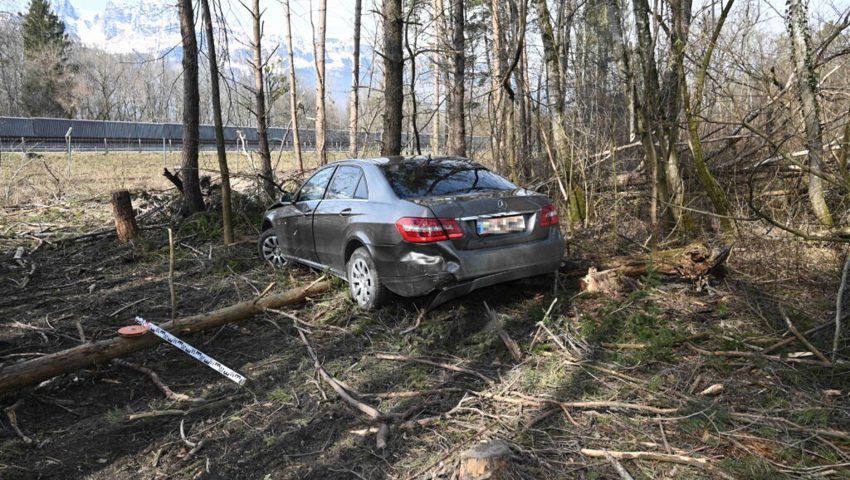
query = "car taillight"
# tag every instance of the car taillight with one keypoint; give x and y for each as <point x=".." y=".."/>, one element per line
<point x="423" y="230"/>
<point x="549" y="216"/>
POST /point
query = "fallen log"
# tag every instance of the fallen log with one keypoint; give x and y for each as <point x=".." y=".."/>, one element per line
<point x="693" y="261"/>
<point x="13" y="377"/>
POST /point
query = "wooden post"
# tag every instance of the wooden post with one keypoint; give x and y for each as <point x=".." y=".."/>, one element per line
<point x="490" y="460"/>
<point x="125" y="217"/>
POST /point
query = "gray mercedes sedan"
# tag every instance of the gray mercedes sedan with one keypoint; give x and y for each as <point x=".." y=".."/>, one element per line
<point x="413" y="226"/>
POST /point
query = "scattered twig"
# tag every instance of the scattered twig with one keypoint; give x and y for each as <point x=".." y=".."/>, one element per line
<point x="657" y="457"/>
<point x="509" y="342"/>
<point x="125" y="307"/>
<point x="424" y="361"/>
<point x="169" y="394"/>
<point x="801" y="338"/>
<point x="775" y="358"/>
<point x="624" y="474"/>
<point x="839" y="307"/>
<point x="786" y="341"/>
<point x="171" y="271"/>
<point x="413" y="393"/>
<point x="419" y="318"/>
<point x="11" y="412"/>
<point x="522" y="399"/>
<point x="330" y="380"/>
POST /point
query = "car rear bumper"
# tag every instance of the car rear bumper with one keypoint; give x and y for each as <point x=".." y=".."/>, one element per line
<point x="412" y="270"/>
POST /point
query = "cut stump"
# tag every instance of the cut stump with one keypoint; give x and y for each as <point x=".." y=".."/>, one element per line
<point x="489" y="460"/>
<point x="125" y="217"/>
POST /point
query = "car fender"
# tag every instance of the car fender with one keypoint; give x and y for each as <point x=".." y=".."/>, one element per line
<point x="358" y="236"/>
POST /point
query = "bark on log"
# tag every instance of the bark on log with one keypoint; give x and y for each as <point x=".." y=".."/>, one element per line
<point x="33" y="371"/>
<point x="694" y="261"/>
<point x="125" y="217"/>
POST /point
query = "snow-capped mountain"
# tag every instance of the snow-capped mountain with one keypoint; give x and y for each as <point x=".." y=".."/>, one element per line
<point x="152" y="27"/>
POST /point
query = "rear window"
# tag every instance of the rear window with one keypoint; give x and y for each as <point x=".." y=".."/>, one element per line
<point x="443" y="177"/>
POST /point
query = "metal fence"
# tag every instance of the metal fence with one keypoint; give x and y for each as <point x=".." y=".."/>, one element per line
<point x="64" y="135"/>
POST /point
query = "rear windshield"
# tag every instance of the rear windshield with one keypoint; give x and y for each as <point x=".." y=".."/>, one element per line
<point x="441" y="177"/>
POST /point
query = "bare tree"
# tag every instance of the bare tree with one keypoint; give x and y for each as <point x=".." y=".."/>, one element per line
<point x="436" y="66"/>
<point x="193" y="200"/>
<point x="457" y="117"/>
<point x="227" y="223"/>
<point x="393" y="74"/>
<point x="319" y="54"/>
<point x="807" y="84"/>
<point x="293" y="96"/>
<point x="260" y="102"/>
<point x="355" y="83"/>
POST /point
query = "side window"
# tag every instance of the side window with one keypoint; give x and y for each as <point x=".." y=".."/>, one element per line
<point x="362" y="192"/>
<point x="314" y="188"/>
<point x="344" y="183"/>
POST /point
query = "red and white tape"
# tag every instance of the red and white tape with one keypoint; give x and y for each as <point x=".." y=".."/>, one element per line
<point x="193" y="352"/>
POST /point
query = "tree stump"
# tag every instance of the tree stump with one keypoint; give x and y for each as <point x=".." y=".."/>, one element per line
<point x="125" y="217"/>
<point x="489" y="460"/>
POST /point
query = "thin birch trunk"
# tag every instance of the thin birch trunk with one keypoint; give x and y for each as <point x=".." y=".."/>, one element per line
<point x="293" y="92"/>
<point x="355" y="83"/>
<point x="260" y="104"/>
<point x="226" y="213"/>
<point x="319" y="55"/>
<point x="807" y="83"/>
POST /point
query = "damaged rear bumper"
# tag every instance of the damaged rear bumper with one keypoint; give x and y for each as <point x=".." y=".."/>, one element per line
<point x="412" y="270"/>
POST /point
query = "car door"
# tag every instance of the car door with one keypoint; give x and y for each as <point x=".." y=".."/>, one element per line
<point x="345" y="200"/>
<point x="295" y="225"/>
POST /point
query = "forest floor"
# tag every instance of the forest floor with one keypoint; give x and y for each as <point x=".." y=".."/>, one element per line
<point x="624" y="373"/>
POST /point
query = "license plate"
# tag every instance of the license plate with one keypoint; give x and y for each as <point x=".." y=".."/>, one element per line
<point x="500" y="225"/>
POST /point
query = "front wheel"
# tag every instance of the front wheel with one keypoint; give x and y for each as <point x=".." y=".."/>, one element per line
<point x="269" y="249"/>
<point x="363" y="281"/>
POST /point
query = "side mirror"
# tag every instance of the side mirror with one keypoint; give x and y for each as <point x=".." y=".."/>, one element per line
<point x="286" y="197"/>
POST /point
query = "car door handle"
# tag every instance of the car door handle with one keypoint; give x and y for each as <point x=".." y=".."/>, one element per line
<point x="345" y="212"/>
<point x="307" y="212"/>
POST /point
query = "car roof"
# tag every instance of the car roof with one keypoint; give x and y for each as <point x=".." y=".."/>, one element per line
<point x="408" y="160"/>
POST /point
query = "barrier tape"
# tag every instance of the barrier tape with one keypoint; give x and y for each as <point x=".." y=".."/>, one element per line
<point x="192" y="351"/>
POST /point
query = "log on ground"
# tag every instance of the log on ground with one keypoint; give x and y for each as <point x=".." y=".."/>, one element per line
<point x="30" y="372"/>
<point x="693" y="261"/>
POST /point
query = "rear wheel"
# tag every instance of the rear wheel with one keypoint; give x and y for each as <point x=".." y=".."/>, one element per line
<point x="269" y="249"/>
<point x="365" y="285"/>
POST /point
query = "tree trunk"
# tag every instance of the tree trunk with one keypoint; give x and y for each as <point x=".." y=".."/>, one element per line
<point x="561" y="141"/>
<point x="436" y="65"/>
<point x="33" y="371"/>
<point x="355" y="83"/>
<point x="522" y="114"/>
<point x="497" y="95"/>
<point x="319" y="54"/>
<point x="193" y="200"/>
<point x="393" y="74"/>
<point x="260" y="104"/>
<point x="227" y="223"/>
<point x="457" y="120"/>
<point x="125" y="217"/>
<point x="807" y="83"/>
<point x="692" y="107"/>
<point x="293" y="94"/>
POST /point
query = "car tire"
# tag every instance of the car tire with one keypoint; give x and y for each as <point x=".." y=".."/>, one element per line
<point x="364" y="284"/>
<point x="268" y="248"/>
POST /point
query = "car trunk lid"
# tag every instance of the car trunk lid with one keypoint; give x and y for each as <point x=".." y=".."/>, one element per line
<point x="472" y="210"/>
